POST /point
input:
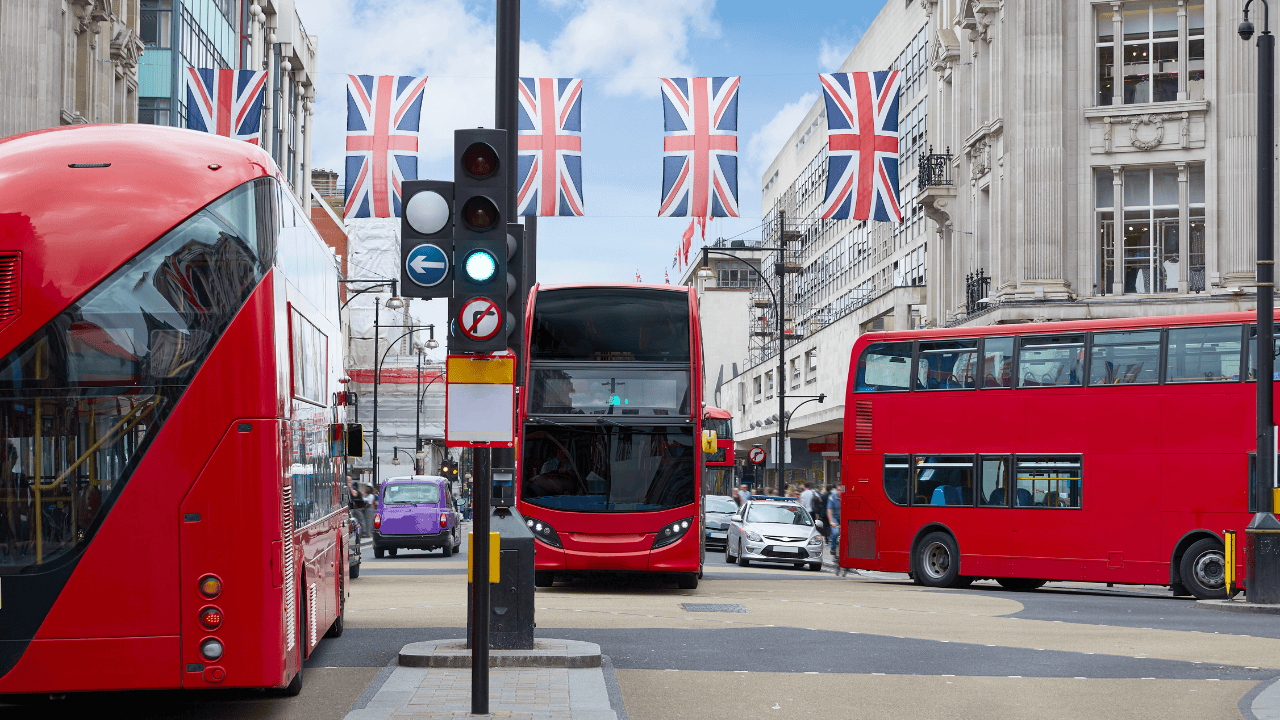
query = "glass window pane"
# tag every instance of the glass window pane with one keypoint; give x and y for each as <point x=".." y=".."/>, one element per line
<point x="1107" y="246"/>
<point x="1204" y="354"/>
<point x="1195" y="18"/>
<point x="1137" y="21"/>
<point x="1196" y="181"/>
<point x="885" y="367"/>
<point x="1105" y="25"/>
<point x="943" y="480"/>
<point x="948" y="365"/>
<point x="997" y="363"/>
<point x="1125" y="358"/>
<point x="1048" y="481"/>
<point x="1104" y="196"/>
<point x="896" y="483"/>
<point x="1137" y="73"/>
<point x="638" y="325"/>
<point x="1051" y="361"/>
<point x="1165" y="20"/>
<point x="1166" y="186"/>
<point x="1138" y="270"/>
<point x="1164" y="69"/>
<point x="995" y="481"/>
<point x="1195" y="70"/>
<point x="1137" y="188"/>
<point x="1253" y="355"/>
<point x="591" y="391"/>
<point x="1106" y="72"/>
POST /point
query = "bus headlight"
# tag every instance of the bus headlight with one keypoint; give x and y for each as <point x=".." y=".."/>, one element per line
<point x="543" y="532"/>
<point x="672" y="532"/>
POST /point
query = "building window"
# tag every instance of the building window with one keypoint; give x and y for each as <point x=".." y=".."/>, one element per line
<point x="155" y="24"/>
<point x="153" y="110"/>
<point x="811" y="365"/>
<point x="1149" y="246"/>
<point x="795" y="373"/>
<point x="1148" y="50"/>
<point x="768" y="384"/>
<point x="756" y="382"/>
<point x="742" y="396"/>
<point x="733" y="274"/>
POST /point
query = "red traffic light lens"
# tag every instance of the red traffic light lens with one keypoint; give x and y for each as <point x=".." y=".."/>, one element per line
<point x="479" y="213"/>
<point x="479" y="160"/>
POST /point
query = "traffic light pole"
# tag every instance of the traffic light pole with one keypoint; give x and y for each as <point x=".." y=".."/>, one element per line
<point x="480" y="508"/>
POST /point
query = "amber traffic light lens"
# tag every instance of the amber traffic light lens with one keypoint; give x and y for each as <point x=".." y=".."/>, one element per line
<point x="479" y="213"/>
<point x="480" y="160"/>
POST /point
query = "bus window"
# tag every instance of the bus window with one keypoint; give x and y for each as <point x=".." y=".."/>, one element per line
<point x="944" y="480"/>
<point x="995" y="481"/>
<point x="896" y="471"/>
<point x="1051" y="361"/>
<point x="885" y="367"/>
<point x="1253" y="355"/>
<point x="947" y="365"/>
<point x="1203" y="354"/>
<point x="1048" y="481"/>
<point x="1125" y="358"/>
<point x="997" y="362"/>
<point x="632" y="325"/>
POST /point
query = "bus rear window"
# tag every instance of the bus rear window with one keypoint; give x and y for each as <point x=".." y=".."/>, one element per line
<point x="611" y="324"/>
<point x="897" y="478"/>
<point x="885" y="367"/>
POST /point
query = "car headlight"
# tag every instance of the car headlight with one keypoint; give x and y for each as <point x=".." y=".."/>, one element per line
<point x="753" y="537"/>
<point x="544" y="532"/>
<point x="815" y="540"/>
<point x="672" y="532"/>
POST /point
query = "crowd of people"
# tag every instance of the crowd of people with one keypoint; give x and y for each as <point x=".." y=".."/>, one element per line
<point x="823" y="505"/>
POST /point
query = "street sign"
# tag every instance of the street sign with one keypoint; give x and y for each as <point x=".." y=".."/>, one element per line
<point x="756" y="455"/>
<point x="479" y="319"/>
<point x="480" y="401"/>
<point x="427" y="265"/>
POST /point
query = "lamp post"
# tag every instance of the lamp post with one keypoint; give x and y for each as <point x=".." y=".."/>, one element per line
<point x="393" y="303"/>
<point x="395" y="458"/>
<point x="1262" y="536"/>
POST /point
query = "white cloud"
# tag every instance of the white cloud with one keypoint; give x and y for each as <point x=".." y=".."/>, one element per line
<point x="831" y="56"/>
<point x="765" y="143"/>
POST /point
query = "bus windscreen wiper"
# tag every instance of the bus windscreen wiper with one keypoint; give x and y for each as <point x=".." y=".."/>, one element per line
<point x="544" y="421"/>
<point x="606" y="421"/>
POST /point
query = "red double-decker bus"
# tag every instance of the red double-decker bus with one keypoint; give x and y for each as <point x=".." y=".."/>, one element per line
<point x="171" y="513"/>
<point x="610" y="465"/>
<point x="1110" y="451"/>
<point x="718" y="477"/>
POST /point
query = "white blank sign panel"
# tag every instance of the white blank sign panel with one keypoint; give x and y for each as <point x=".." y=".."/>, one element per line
<point x="481" y="413"/>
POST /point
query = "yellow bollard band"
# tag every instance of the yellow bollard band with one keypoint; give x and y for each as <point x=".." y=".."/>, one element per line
<point x="495" y="557"/>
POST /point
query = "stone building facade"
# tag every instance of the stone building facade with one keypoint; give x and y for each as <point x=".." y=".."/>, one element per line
<point x="66" y="63"/>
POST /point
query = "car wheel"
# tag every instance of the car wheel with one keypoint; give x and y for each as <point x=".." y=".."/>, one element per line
<point x="816" y="567"/>
<point x="742" y="557"/>
<point x="378" y="552"/>
<point x="687" y="581"/>
<point x="447" y="549"/>
<point x="937" y="560"/>
<point x="1020" y="584"/>
<point x="543" y="578"/>
<point x="727" y="557"/>
<point x="798" y="566"/>
<point x="391" y="552"/>
<point x="1204" y="569"/>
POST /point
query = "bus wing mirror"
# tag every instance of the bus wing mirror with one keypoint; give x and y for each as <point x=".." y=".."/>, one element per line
<point x="355" y="440"/>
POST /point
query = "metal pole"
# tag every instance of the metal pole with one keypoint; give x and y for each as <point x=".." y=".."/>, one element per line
<point x="377" y="307"/>
<point x="507" y="103"/>
<point x="417" y="421"/>
<point x="480" y="507"/>
<point x="782" y="378"/>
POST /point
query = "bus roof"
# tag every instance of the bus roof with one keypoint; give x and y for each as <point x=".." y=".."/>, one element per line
<point x="716" y="413"/>
<point x="617" y="286"/>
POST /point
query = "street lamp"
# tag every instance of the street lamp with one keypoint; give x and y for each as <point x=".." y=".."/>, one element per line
<point x="393" y="303"/>
<point x="395" y="458"/>
<point x="421" y="349"/>
<point x="786" y="421"/>
<point x="1262" y="536"/>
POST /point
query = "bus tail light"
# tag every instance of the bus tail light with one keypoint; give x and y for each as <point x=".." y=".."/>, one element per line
<point x="211" y="649"/>
<point x="543" y="532"/>
<point x="444" y="520"/>
<point x="210" y="618"/>
<point x="672" y="532"/>
<point x="377" y="521"/>
<point x="210" y="587"/>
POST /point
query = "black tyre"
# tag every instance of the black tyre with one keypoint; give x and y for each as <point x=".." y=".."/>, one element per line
<point x="1204" y="569"/>
<point x="727" y="557"/>
<point x="378" y="552"/>
<point x="687" y="581"/>
<point x="355" y="571"/>
<point x="1021" y="584"/>
<point x="937" y="561"/>
<point x="335" y="630"/>
<point x="391" y="552"/>
<point x="543" y="578"/>
<point x="798" y="566"/>
<point x="447" y="549"/>
<point x="295" y="685"/>
<point x="816" y="567"/>
<point x="742" y="557"/>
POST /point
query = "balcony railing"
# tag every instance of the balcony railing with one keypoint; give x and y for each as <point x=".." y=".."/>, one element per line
<point x="935" y="169"/>
<point x="976" y="286"/>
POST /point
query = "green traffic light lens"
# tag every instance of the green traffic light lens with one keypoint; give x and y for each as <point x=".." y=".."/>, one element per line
<point x="480" y="266"/>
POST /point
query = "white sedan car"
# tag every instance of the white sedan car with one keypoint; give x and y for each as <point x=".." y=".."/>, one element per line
<point x="773" y="531"/>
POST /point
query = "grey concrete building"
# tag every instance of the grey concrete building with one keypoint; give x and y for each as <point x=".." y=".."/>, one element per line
<point x="68" y="62"/>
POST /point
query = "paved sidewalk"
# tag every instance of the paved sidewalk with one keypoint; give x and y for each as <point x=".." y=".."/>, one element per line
<point x="524" y="693"/>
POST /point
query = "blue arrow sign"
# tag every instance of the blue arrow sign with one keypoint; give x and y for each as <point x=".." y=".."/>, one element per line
<point x="427" y="265"/>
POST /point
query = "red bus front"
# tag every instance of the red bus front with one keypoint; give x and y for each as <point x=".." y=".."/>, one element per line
<point x="609" y="467"/>
<point x="169" y="506"/>
<point x="1110" y="451"/>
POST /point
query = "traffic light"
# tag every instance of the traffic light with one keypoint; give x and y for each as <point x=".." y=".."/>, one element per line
<point x="519" y="292"/>
<point x="478" y="315"/>
<point x="426" y="239"/>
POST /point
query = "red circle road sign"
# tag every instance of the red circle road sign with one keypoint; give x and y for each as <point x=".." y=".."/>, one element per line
<point x="479" y="319"/>
<point x="756" y="454"/>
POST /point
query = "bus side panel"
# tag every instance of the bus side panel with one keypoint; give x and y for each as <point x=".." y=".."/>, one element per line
<point x="127" y="584"/>
<point x="231" y="519"/>
<point x="49" y="666"/>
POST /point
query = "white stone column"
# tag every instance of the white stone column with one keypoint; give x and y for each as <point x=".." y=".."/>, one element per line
<point x="1117" y="62"/>
<point x="307" y="136"/>
<point x="296" y="135"/>
<point x="1235" y="84"/>
<point x="1184" y="227"/>
<point x="1183" y="59"/>
<point x="1117" y="232"/>
<point x="269" y="101"/>
<point x="1041" y="136"/>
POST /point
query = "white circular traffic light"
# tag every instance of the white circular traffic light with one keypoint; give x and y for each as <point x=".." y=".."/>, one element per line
<point x="480" y="266"/>
<point x="427" y="212"/>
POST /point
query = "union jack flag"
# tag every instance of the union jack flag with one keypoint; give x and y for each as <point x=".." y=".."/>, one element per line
<point x="383" y="115"/>
<point x="862" y="146"/>
<point x="226" y="102"/>
<point x="550" y="162"/>
<point x="700" y="165"/>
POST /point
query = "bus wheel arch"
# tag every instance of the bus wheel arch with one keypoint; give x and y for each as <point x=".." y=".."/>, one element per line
<point x="949" y="550"/>
<point x="1176" y="581"/>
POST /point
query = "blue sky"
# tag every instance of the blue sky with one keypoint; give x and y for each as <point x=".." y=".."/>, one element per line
<point x="621" y="48"/>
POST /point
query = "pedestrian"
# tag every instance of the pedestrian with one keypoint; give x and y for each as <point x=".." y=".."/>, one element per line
<point x="743" y="496"/>
<point x="367" y="512"/>
<point x="806" y="497"/>
<point x="833" y="518"/>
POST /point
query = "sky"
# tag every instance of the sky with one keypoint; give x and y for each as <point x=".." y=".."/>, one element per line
<point x="620" y="48"/>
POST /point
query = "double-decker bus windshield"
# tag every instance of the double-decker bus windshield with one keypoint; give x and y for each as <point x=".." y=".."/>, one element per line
<point x="608" y="468"/>
<point x="622" y="325"/>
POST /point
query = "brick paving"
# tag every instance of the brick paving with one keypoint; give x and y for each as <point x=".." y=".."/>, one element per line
<point x="517" y="693"/>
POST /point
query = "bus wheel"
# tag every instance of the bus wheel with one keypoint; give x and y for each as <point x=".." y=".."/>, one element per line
<point x="1204" y="569"/>
<point x="1021" y="584"/>
<point x="687" y="581"/>
<point x="335" y="630"/>
<point x="295" y="685"/>
<point x="543" y="578"/>
<point x="938" y="560"/>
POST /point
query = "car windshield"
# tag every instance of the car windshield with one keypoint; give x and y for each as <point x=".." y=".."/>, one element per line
<point x="721" y="505"/>
<point x="411" y="494"/>
<point x="782" y="514"/>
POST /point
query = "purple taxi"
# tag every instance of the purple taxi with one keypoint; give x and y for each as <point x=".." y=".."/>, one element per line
<point x="416" y="513"/>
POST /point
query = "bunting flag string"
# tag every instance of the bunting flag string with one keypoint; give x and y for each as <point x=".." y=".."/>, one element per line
<point x="226" y="102"/>
<point x="384" y="115"/>
<point x="862" y="146"/>
<point x="550" y="164"/>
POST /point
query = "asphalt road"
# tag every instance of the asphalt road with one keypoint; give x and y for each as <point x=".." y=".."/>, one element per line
<point x="783" y="643"/>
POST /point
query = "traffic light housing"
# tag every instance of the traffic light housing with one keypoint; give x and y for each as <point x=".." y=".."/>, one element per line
<point x="517" y="284"/>
<point x="426" y="239"/>
<point x="478" y="315"/>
